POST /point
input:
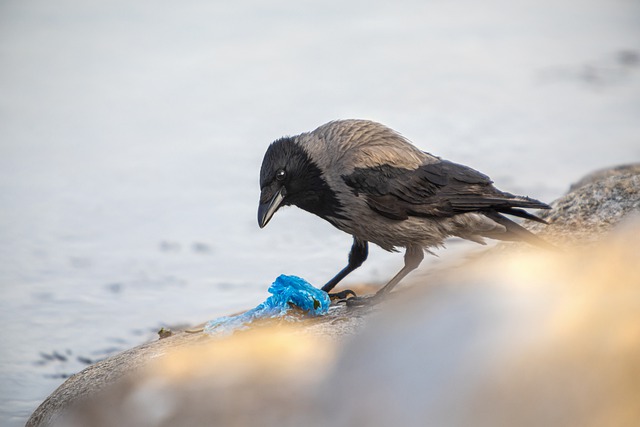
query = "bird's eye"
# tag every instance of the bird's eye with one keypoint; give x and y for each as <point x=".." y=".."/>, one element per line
<point x="280" y="175"/>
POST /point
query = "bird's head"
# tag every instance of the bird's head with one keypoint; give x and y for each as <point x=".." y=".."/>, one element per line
<point x="285" y="177"/>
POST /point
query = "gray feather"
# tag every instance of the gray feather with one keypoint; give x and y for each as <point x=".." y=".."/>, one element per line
<point x="371" y="182"/>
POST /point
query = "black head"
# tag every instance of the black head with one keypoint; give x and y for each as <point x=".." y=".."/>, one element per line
<point x="290" y="177"/>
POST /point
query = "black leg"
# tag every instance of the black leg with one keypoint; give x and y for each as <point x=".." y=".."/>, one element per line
<point x="357" y="256"/>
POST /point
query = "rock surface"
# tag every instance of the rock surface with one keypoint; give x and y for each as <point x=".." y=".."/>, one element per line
<point x="528" y="338"/>
<point x="124" y="367"/>
<point x="593" y="205"/>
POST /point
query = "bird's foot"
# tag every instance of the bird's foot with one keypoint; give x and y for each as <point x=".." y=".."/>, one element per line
<point x="364" y="301"/>
<point x="342" y="295"/>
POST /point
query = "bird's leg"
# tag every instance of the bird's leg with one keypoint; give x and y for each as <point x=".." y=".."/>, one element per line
<point x="412" y="259"/>
<point x="357" y="256"/>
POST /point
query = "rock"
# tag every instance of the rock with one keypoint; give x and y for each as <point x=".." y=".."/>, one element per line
<point x="593" y="206"/>
<point x="527" y="339"/>
<point x="131" y="368"/>
<point x="95" y="378"/>
<point x="522" y="338"/>
<point x="599" y="175"/>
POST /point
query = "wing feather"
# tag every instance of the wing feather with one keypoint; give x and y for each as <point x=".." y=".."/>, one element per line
<point x="441" y="189"/>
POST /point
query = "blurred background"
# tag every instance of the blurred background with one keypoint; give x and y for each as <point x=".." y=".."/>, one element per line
<point x="132" y="133"/>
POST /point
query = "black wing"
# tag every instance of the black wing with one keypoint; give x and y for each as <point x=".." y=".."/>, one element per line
<point x="441" y="189"/>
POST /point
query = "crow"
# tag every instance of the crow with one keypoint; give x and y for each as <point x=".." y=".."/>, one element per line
<point x="369" y="181"/>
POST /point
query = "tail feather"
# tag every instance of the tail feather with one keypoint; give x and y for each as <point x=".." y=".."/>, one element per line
<point x="522" y="214"/>
<point x="517" y="232"/>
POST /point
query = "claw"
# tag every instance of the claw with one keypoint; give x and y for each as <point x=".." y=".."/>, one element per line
<point x="358" y="301"/>
<point x="364" y="301"/>
<point x="342" y="295"/>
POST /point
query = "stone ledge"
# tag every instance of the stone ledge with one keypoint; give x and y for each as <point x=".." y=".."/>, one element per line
<point x="189" y="378"/>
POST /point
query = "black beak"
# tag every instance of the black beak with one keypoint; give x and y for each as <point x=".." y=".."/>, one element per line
<point x="270" y="206"/>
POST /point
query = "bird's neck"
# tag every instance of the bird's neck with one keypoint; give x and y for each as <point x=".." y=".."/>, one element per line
<point x="316" y="196"/>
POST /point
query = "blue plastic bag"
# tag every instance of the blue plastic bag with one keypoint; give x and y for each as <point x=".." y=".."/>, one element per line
<point x="287" y="292"/>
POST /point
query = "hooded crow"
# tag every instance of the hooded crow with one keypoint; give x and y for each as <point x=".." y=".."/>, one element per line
<point x="371" y="182"/>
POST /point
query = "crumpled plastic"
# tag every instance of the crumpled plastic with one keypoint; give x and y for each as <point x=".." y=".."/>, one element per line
<point x="288" y="293"/>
